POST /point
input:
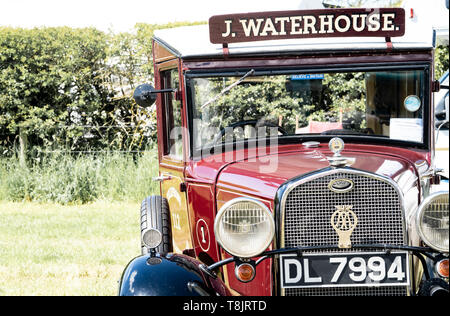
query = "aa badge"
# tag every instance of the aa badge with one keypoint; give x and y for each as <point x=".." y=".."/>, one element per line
<point x="344" y="221"/>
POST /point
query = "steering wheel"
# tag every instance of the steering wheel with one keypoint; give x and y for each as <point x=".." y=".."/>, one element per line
<point x="255" y="123"/>
<point x="367" y="131"/>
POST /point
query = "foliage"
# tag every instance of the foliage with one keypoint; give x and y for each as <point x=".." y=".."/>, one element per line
<point x="268" y="99"/>
<point x="442" y="60"/>
<point x="272" y="97"/>
<point x="65" y="179"/>
<point x="72" y="89"/>
<point x="66" y="94"/>
<point x="45" y="75"/>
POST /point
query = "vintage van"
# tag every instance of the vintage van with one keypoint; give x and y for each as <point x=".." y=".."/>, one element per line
<point x="296" y="157"/>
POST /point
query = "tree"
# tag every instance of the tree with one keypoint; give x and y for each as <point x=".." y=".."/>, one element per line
<point x="71" y="89"/>
<point x="45" y="76"/>
<point x="441" y="60"/>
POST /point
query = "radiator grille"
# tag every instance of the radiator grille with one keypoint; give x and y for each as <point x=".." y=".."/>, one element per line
<point x="308" y="209"/>
<point x="349" y="291"/>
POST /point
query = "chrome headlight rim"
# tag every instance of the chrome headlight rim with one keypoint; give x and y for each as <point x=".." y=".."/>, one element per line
<point x="225" y="207"/>
<point x="151" y="242"/>
<point x="422" y="207"/>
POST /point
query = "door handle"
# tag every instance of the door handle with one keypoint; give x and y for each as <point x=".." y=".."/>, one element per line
<point x="161" y="178"/>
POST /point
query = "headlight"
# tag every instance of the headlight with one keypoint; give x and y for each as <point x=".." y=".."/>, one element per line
<point x="432" y="221"/>
<point x="244" y="227"/>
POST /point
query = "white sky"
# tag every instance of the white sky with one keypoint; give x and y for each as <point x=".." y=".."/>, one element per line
<point x="122" y="15"/>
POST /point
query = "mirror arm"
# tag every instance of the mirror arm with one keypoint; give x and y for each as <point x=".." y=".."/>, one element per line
<point x="442" y="86"/>
<point x="147" y="94"/>
<point x="163" y="91"/>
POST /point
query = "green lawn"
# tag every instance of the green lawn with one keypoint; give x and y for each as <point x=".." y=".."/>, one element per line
<point x="49" y="249"/>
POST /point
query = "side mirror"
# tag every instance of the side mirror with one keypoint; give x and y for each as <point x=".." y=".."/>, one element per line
<point x="145" y="95"/>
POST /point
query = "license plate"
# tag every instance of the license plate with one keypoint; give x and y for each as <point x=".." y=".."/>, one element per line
<point x="344" y="269"/>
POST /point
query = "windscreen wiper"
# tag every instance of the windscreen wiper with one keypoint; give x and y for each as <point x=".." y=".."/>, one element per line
<point x="225" y="90"/>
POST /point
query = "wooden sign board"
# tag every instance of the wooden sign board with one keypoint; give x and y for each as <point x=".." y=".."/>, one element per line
<point x="359" y="22"/>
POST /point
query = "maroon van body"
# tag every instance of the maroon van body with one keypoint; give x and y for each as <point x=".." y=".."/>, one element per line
<point x="381" y="181"/>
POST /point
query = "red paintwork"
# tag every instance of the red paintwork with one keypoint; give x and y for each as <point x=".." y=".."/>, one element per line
<point x="200" y="200"/>
<point x="247" y="178"/>
<point x="294" y="160"/>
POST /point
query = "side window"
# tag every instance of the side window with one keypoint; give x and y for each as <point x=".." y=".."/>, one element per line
<point x="172" y="112"/>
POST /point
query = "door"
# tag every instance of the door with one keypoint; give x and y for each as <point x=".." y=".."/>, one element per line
<point x="171" y="163"/>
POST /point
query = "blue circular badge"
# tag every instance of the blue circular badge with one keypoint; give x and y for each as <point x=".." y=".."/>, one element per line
<point x="412" y="103"/>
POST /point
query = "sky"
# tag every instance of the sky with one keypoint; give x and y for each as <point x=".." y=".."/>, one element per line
<point x="122" y="15"/>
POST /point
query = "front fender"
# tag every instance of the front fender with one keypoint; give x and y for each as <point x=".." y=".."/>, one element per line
<point x="169" y="275"/>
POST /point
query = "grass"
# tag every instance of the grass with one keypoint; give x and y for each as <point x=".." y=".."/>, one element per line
<point x="67" y="179"/>
<point x="70" y="224"/>
<point x="54" y="250"/>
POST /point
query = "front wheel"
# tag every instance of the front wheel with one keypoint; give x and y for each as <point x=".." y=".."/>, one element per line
<point x="155" y="214"/>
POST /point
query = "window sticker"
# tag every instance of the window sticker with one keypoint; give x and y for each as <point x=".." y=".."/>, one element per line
<point x="412" y="103"/>
<point x="308" y="77"/>
<point x="406" y="129"/>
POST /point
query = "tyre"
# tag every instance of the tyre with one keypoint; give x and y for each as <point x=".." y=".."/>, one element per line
<point x="155" y="214"/>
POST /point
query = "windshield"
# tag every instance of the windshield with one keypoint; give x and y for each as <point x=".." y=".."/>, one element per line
<point x="381" y="104"/>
